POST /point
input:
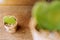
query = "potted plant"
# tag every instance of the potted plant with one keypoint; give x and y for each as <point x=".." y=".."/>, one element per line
<point x="45" y="21"/>
<point x="10" y="23"/>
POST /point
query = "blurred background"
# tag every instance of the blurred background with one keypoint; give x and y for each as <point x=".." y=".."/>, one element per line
<point x="21" y="9"/>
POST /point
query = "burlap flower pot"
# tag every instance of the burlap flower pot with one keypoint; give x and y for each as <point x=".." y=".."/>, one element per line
<point x="42" y="34"/>
<point x="11" y="28"/>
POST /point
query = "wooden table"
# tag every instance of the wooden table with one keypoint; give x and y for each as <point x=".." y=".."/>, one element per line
<point x="23" y="14"/>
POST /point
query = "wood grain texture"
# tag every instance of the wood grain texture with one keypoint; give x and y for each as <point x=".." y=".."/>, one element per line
<point x="17" y="2"/>
<point x="23" y="14"/>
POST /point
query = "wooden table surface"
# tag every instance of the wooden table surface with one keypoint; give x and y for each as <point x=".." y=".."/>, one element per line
<point x="23" y="14"/>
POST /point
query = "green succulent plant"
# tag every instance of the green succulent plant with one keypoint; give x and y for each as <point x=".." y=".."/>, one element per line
<point x="9" y="20"/>
<point x="47" y="15"/>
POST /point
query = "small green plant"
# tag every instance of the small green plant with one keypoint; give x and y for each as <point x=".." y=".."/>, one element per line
<point x="47" y="15"/>
<point x="9" y="20"/>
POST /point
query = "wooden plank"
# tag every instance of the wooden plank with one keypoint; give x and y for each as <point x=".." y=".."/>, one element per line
<point x="23" y="14"/>
<point x="17" y="2"/>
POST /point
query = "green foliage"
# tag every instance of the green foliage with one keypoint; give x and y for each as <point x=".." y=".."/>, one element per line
<point x="56" y="0"/>
<point x="9" y="20"/>
<point x="47" y="15"/>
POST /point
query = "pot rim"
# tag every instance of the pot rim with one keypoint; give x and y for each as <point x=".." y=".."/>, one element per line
<point x="11" y="24"/>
